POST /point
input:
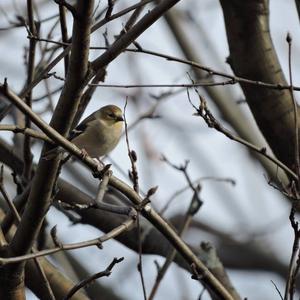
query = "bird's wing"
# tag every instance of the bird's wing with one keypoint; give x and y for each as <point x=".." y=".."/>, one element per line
<point x="82" y="126"/>
<point x="75" y="133"/>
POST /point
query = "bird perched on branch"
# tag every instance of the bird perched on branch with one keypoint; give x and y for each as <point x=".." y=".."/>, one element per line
<point x="98" y="134"/>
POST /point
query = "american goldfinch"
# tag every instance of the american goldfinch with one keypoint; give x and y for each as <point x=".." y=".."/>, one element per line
<point x="99" y="133"/>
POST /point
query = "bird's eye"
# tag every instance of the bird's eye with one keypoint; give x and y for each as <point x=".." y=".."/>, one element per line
<point x="111" y="115"/>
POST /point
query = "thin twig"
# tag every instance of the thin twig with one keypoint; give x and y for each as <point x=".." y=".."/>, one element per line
<point x="208" y="278"/>
<point x="103" y="186"/>
<point x="7" y="199"/>
<point x="294" y="264"/>
<point x="132" y="156"/>
<point x="294" y="277"/>
<point x="212" y="122"/>
<point x="26" y="131"/>
<point x="18" y="219"/>
<point x="232" y="79"/>
<point x="277" y="289"/>
<point x="183" y="169"/>
<point x="289" y="290"/>
<point x="185" y="188"/>
<point x="149" y="114"/>
<point x="127" y="225"/>
<point x="101" y="73"/>
<point x="36" y="99"/>
<point x="99" y="204"/>
<point x="54" y="62"/>
<point x="297" y="159"/>
<point x="140" y="261"/>
<point x="92" y="278"/>
<point x="64" y="33"/>
<point x="194" y="207"/>
<point x="30" y="75"/>
<point x="134" y="177"/>
<point x="192" y="210"/>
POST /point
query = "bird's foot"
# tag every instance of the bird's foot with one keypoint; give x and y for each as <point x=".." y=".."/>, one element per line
<point x="101" y="168"/>
<point x="83" y="153"/>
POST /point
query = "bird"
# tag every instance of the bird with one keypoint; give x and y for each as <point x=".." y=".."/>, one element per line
<point x="98" y="134"/>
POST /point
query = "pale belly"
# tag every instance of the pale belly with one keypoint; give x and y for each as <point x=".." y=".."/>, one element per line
<point x="97" y="145"/>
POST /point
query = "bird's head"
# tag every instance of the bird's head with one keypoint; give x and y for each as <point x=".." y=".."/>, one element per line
<point x="111" y="114"/>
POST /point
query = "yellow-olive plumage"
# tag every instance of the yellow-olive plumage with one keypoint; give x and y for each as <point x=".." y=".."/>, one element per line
<point x="96" y="135"/>
<point x="100" y="132"/>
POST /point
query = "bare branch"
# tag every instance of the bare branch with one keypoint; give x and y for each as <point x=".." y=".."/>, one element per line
<point x="87" y="281"/>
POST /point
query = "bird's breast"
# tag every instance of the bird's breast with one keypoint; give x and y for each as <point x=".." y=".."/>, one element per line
<point x="98" y="139"/>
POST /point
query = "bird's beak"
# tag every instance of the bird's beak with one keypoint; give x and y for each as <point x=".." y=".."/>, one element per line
<point x="119" y="119"/>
